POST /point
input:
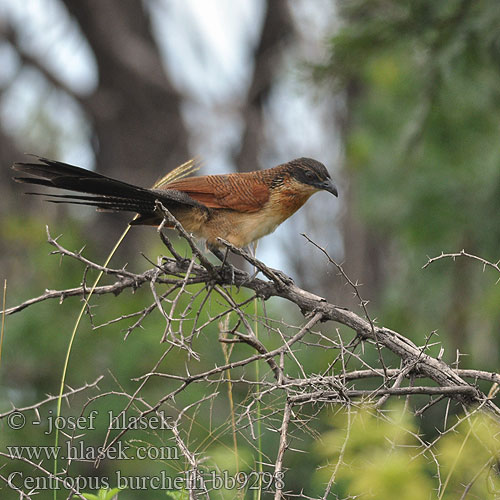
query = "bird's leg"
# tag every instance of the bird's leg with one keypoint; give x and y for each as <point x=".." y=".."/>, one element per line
<point x="287" y="280"/>
<point x="280" y="274"/>
<point x="222" y="256"/>
<point x="252" y="250"/>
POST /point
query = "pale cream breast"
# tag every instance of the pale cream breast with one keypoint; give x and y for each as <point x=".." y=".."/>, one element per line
<point x="250" y="227"/>
<point x="243" y="228"/>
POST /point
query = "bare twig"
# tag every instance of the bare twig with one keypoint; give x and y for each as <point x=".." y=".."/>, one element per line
<point x="49" y="399"/>
<point x="193" y="284"/>
<point x="463" y="253"/>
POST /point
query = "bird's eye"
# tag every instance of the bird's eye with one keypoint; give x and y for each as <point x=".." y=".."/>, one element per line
<point x="309" y="175"/>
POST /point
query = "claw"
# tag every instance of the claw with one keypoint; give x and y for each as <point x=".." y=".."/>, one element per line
<point x="283" y="277"/>
<point x="222" y="256"/>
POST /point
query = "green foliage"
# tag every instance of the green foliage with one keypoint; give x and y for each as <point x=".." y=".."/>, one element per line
<point x="381" y="457"/>
<point x="178" y="495"/>
<point x="103" y="494"/>
<point x="423" y="90"/>
<point x="422" y="80"/>
<point x="43" y="333"/>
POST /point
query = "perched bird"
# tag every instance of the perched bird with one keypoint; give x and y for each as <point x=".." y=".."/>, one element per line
<point x="239" y="208"/>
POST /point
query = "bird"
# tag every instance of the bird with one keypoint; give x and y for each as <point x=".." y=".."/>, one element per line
<point x="239" y="208"/>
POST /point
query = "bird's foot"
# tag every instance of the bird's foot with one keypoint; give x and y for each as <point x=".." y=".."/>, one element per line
<point x="225" y="265"/>
<point x="182" y="261"/>
<point x="281" y="276"/>
<point x="248" y="279"/>
<point x="231" y="269"/>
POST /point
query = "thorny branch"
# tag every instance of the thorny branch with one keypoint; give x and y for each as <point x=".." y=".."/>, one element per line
<point x="182" y="290"/>
<point x="51" y="399"/>
<point x="463" y="253"/>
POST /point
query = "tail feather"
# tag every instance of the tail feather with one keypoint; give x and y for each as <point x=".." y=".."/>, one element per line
<point x="51" y="168"/>
<point x="102" y="192"/>
<point x="104" y="203"/>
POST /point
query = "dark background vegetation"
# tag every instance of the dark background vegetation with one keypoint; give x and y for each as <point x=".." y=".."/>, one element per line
<point x="400" y="99"/>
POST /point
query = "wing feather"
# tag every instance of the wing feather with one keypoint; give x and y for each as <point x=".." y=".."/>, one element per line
<point x="246" y="192"/>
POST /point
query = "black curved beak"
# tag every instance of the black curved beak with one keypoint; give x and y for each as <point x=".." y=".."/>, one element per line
<point x="329" y="186"/>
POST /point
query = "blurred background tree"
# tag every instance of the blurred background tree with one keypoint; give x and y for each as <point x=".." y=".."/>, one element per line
<point x="134" y="88"/>
<point x="421" y="86"/>
<point x="400" y="99"/>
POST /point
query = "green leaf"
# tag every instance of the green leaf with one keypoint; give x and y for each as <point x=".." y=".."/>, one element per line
<point x="178" y="495"/>
<point x="103" y="494"/>
<point x="111" y="493"/>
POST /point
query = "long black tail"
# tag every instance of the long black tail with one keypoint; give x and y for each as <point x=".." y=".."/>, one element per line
<point x="106" y="193"/>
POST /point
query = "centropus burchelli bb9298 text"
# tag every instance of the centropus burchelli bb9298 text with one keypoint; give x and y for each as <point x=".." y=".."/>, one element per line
<point x="239" y="208"/>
